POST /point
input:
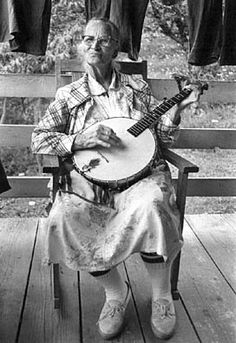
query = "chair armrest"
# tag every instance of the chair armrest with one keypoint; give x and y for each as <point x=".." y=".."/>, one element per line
<point x="179" y="162"/>
<point x="50" y="163"/>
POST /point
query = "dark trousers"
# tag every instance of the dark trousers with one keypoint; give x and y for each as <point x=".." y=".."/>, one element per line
<point x="228" y="52"/>
<point x="25" y="24"/>
<point x="127" y="15"/>
<point x="212" y="38"/>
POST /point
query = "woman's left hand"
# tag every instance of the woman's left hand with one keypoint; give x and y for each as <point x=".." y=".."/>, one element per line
<point x="197" y="90"/>
<point x="193" y="96"/>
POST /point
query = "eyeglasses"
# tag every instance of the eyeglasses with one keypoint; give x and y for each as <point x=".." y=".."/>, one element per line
<point x="104" y="41"/>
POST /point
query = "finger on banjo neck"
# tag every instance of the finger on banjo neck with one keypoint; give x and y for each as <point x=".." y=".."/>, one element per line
<point x="195" y="84"/>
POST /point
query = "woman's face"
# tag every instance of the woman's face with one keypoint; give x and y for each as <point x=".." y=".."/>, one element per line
<point x="99" y="46"/>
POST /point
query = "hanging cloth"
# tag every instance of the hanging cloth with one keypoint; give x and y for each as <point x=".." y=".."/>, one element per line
<point x="212" y="37"/>
<point x="25" y="24"/>
<point x="205" y="31"/>
<point x="228" y="52"/>
<point x="127" y="15"/>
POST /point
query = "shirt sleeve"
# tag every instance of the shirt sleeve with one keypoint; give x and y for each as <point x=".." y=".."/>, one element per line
<point x="50" y="137"/>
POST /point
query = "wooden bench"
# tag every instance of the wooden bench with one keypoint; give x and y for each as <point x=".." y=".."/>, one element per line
<point x="44" y="86"/>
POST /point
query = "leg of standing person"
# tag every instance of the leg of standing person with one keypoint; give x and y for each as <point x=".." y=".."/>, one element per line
<point x="228" y="52"/>
<point x="205" y="31"/>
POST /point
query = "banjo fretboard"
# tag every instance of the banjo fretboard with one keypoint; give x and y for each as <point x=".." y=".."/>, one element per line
<point x="150" y="118"/>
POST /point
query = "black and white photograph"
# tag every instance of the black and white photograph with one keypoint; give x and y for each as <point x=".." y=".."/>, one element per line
<point x="117" y="171"/>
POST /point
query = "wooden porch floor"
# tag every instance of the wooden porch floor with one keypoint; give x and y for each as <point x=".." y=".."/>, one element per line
<point x="206" y="311"/>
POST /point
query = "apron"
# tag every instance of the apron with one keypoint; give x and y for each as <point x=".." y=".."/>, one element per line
<point x="93" y="229"/>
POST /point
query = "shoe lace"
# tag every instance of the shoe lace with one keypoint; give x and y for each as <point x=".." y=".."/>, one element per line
<point x="112" y="311"/>
<point x="115" y="308"/>
<point x="163" y="310"/>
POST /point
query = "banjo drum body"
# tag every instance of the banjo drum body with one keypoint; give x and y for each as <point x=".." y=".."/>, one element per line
<point x="118" y="167"/>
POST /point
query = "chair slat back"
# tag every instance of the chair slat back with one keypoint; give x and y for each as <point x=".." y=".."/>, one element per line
<point x="75" y="68"/>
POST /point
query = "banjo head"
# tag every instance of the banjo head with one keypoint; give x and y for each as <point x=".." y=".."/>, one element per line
<point x="107" y="166"/>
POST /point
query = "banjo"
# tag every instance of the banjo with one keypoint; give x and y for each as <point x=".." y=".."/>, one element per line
<point x="120" y="167"/>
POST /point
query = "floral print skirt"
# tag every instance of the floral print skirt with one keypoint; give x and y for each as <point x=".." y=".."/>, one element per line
<point x="86" y="232"/>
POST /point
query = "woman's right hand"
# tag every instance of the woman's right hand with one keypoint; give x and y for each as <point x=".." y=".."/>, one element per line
<point x="97" y="135"/>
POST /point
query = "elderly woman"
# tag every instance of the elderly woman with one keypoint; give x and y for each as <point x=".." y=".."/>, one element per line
<point x="94" y="229"/>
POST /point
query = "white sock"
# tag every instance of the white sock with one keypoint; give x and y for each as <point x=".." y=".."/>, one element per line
<point x="160" y="274"/>
<point x="115" y="287"/>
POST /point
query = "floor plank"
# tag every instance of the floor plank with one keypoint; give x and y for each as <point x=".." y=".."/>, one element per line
<point x="230" y="218"/>
<point x="142" y="292"/>
<point x="92" y="302"/>
<point x="17" y="237"/>
<point x="41" y="322"/>
<point x="207" y="296"/>
<point x="219" y="239"/>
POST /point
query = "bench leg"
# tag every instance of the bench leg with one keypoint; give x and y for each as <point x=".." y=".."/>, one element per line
<point x="56" y="285"/>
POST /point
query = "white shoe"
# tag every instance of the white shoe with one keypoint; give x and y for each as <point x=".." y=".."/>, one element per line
<point x="111" y="319"/>
<point x="163" y="319"/>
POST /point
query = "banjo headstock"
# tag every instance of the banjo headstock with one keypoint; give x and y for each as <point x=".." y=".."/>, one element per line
<point x="184" y="81"/>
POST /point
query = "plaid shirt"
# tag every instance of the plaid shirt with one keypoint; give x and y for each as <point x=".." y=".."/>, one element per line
<point x="71" y="110"/>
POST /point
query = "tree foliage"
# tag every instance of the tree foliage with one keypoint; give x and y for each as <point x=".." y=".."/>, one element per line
<point x="171" y="17"/>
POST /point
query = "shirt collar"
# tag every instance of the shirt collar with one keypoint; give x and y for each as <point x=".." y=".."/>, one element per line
<point x="97" y="89"/>
<point x="80" y="93"/>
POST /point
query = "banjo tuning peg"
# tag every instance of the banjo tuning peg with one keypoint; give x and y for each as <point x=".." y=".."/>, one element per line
<point x="180" y="79"/>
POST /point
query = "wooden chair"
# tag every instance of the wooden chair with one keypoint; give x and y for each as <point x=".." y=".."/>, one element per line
<point x="67" y="71"/>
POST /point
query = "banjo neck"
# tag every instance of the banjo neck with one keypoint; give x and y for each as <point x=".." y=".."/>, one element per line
<point x="150" y="118"/>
